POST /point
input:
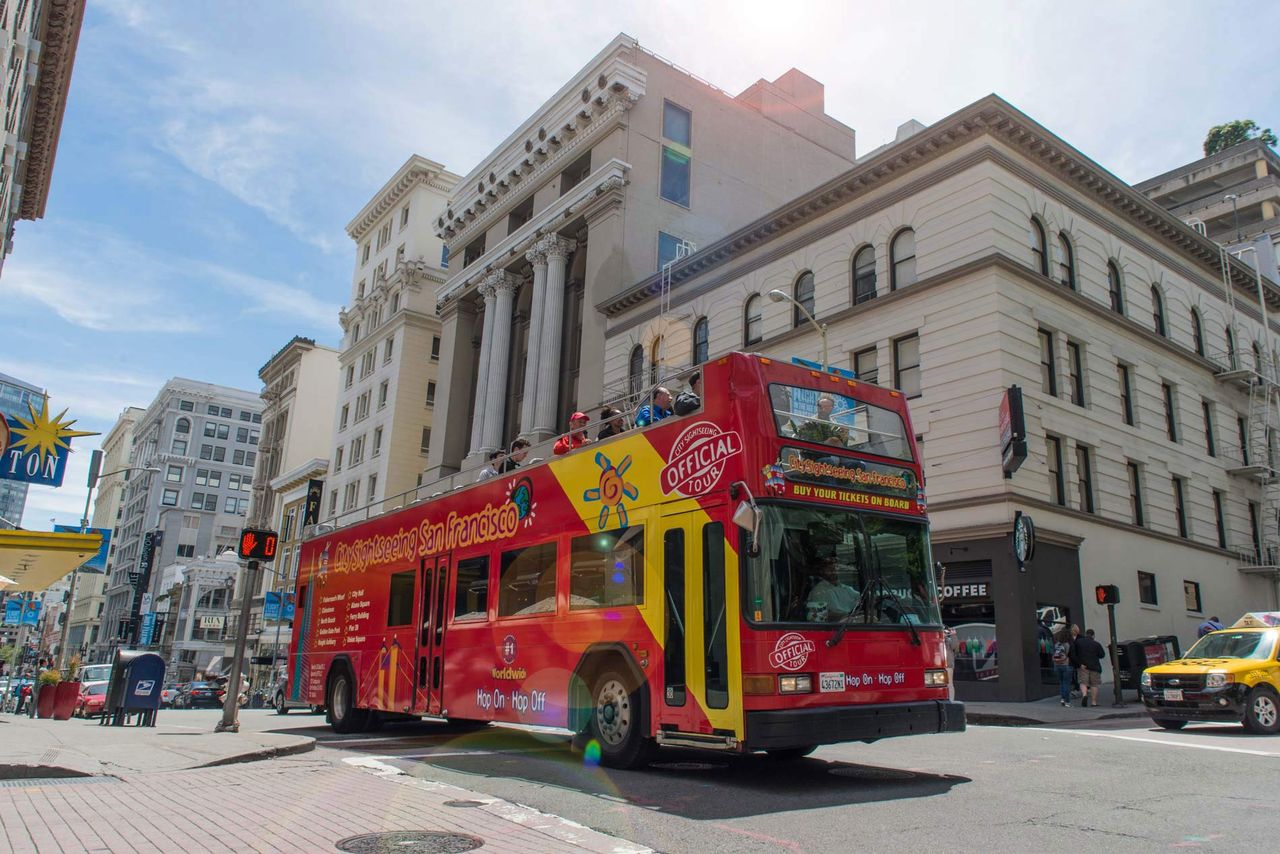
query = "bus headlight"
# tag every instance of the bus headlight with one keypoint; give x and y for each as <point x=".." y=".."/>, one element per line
<point x="1146" y="679"/>
<point x="1218" y="680"/>
<point x="935" y="679"/>
<point x="800" y="683"/>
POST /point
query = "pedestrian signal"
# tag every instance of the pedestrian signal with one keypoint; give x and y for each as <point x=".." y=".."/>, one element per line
<point x="1108" y="594"/>
<point x="257" y="544"/>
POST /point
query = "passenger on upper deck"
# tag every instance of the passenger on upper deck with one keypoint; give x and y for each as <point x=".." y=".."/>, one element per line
<point x="820" y="428"/>
<point x="689" y="401"/>
<point x="613" y="423"/>
<point x="656" y="411"/>
<point x="519" y="450"/>
<point x="576" y="437"/>
<point x="491" y="470"/>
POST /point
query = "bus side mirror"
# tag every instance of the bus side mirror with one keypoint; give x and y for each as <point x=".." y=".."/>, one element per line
<point x="747" y="518"/>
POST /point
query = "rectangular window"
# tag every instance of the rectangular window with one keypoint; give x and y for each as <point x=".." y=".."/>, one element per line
<point x="245" y="416"/>
<point x="242" y="434"/>
<point x="431" y="394"/>
<point x="382" y="393"/>
<point x="906" y="365"/>
<point x="674" y="179"/>
<point x="373" y="488"/>
<point x="173" y="474"/>
<point x="186" y="550"/>
<point x="1084" y="479"/>
<point x="1210" y="445"/>
<point x="170" y="498"/>
<point x="357" y="450"/>
<point x="673" y="652"/>
<point x="400" y="599"/>
<point x="219" y="454"/>
<point x="386" y="350"/>
<point x="186" y="406"/>
<point x="1170" y="413"/>
<point x="343" y="417"/>
<point x="1048" y="373"/>
<point x="607" y="569"/>
<point x="677" y="124"/>
<point x="229" y="506"/>
<point x="1075" y="365"/>
<point x="527" y="582"/>
<point x="225" y="412"/>
<point x="215" y="479"/>
<point x="234" y="482"/>
<point x="471" y="597"/>
<point x="399" y="254"/>
<point x="1180" y="505"/>
<point x="197" y="501"/>
<point x="864" y="365"/>
<point x="714" y="630"/>
<point x="404" y="217"/>
<point x="575" y="173"/>
<point x="1255" y="531"/>
<point x="1191" y="595"/>
<point x="1243" y="430"/>
<point x="202" y="477"/>
<point x="1220" y="519"/>
<point x="206" y="452"/>
<point x="519" y="215"/>
<point x="238" y="458"/>
<point x="364" y="254"/>
<point x="253" y="437"/>
<point x="1126" y="394"/>
<point x="426" y="440"/>
<point x="1137" y="515"/>
<point x="1057" y="483"/>
<point x="669" y="248"/>
<point x="212" y="410"/>
<point x="473" y="251"/>
<point x="435" y="348"/>
<point x="377" y="443"/>
<point x="1147" y="588"/>
<point x="180" y="447"/>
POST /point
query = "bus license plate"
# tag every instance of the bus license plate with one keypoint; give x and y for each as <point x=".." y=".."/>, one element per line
<point x="830" y="683"/>
<point x="1173" y="694"/>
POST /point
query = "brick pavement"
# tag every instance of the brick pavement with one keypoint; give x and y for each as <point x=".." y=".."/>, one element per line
<point x="298" y="804"/>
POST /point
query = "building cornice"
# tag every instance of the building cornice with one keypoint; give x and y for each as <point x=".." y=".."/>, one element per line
<point x="415" y="171"/>
<point x="59" y="40"/>
<point x="313" y="468"/>
<point x="994" y="117"/>
<point x="289" y="353"/>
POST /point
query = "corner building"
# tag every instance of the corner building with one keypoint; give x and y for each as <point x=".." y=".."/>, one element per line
<point x="630" y="160"/>
<point x="984" y="252"/>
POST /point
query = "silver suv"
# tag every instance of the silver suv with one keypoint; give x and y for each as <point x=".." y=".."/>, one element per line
<point x="280" y="695"/>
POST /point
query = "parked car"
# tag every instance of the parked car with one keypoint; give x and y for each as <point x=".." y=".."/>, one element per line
<point x="168" y="696"/>
<point x="93" y="699"/>
<point x="280" y="695"/>
<point x="201" y="694"/>
<point x="94" y="673"/>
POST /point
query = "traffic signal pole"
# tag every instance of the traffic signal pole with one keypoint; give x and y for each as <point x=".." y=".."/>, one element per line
<point x="231" y="703"/>
<point x="1115" y="658"/>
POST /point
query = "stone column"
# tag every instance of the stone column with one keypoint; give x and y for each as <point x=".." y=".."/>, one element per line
<point x="539" y="261"/>
<point x="449" y="435"/>
<point x="482" y="372"/>
<point x="557" y="251"/>
<point x="503" y="285"/>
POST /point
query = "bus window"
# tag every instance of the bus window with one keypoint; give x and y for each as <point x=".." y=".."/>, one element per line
<point x="607" y="568"/>
<point x="826" y="418"/>
<point x="673" y="646"/>
<point x="471" y="599"/>
<point x="527" y="583"/>
<point x="400" y="601"/>
<point x="713" y="616"/>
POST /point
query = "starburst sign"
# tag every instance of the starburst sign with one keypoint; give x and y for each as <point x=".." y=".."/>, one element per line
<point x="44" y="436"/>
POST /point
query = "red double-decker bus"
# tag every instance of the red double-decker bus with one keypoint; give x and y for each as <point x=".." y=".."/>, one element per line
<point x="755" y="575"/>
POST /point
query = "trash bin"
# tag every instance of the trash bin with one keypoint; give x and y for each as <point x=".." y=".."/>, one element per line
<point x="136" y="681"/>
<point x="1137" y="655"/>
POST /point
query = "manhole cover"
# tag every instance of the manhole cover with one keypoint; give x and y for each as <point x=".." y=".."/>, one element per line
<point x="860" y="772"/>
<point x="687" y="766"/>
<point x="464" y="803"/>
<point x="410" y="842"/>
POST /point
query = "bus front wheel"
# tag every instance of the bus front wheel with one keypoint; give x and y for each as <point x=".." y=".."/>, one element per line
<point x="619" y="720"/>
<point x="342" y="712"/>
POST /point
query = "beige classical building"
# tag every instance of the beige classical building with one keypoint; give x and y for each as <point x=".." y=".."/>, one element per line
<point x="299" y="390"/>
<point x="985" y="252"/>
<point x="623" y="169"/>
<point x="108" y="508"/>
<point x="38" y="46"/>
<point x="389" y="363"/>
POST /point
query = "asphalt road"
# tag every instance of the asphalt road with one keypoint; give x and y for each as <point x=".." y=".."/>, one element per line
<point x="1118" y="786"/>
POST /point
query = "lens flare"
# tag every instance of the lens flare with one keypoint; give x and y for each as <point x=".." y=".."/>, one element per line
<point x="591" y="754"/>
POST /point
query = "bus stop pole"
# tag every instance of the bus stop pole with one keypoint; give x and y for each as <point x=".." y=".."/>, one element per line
<point x="1115" y="658"/>
<point x="231" y="703"/>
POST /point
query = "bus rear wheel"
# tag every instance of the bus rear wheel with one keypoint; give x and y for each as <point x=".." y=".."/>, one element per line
<point x="619" y="720"/>
<point x="342" y="712"/>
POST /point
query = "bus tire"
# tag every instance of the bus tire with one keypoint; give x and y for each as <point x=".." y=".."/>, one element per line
<point x="343" y="716"/>
<point x="791" y="754"/>
<point x="620" y="721"/>
<point x="281" y="708"/>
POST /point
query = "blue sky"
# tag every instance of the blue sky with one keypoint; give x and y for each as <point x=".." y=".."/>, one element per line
<point x="212" y="152"/>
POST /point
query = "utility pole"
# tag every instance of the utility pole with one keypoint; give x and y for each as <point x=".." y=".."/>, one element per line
<point x="231" y="703"/>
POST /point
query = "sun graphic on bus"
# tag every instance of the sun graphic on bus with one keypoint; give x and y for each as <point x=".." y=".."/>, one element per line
<point x="612" y="490"/>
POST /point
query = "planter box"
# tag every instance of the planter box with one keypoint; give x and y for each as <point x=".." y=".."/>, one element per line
<point x="65" y="698"/>
<point x="47" y="700"/>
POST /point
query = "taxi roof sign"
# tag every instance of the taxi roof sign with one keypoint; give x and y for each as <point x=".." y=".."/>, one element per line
<point x="1258" y="620"/>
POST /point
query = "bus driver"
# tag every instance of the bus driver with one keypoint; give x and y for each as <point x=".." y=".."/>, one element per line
<point x="830" y="600"/>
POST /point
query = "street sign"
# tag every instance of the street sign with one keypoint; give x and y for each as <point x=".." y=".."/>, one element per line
<point x="257" y="544"/>
<point x="148" y="627"/>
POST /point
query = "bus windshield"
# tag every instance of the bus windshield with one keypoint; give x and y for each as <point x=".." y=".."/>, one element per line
<point x="820" y="565"/>
<point x="838" y="420"/>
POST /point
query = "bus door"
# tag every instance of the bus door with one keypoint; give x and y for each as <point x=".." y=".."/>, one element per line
<point x="430" y="669"/>
<point x="700" y="626"/>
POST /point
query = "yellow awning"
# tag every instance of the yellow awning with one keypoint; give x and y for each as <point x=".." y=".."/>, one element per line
<point x="37" y="559"/>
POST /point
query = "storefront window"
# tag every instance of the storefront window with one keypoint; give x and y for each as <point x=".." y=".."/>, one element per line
<point x="969" y="608"/>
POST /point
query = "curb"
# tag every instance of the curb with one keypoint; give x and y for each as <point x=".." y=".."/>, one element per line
<point x="984" y="719"/>
<point x="305" y="745"/>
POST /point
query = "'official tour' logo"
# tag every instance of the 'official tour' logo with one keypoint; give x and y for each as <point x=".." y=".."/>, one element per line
<point x="698" y="458"/>
<point x="791" y="651"/>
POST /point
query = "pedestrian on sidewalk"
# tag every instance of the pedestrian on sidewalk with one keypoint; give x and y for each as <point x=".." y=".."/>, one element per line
<point x="1062" y="665"/>
<point x="1090" y="654"/>
<point x="1075" y="664"/>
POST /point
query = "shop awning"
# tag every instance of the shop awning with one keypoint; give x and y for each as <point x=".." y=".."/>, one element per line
<point x="37" y="559"/>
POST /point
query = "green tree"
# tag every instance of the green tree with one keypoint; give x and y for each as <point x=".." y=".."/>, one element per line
<point x="1234" y="133"/>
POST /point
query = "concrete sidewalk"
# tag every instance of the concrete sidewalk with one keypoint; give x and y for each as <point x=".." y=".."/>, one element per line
<point x="1051" y="711"/>
<point x="48" y="748"/>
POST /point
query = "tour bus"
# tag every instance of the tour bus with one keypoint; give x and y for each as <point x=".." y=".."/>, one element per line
<point x="752" y="576"/>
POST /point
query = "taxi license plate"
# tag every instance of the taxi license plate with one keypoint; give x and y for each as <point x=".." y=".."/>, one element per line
<point x="1173" y="694"/>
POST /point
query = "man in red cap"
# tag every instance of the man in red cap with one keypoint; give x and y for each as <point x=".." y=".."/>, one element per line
<point x="576" y="437"/>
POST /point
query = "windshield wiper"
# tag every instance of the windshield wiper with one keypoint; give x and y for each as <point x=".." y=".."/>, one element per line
<point x="843" y="626"/>
<point x="902" y="610"/>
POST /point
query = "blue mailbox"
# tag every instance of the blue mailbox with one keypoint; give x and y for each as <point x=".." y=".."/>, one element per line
<point x="136" y="682"/>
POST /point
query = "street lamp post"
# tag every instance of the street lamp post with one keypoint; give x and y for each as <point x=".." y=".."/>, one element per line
<point x="776" y="295"/>
<point x="93" y="481"/>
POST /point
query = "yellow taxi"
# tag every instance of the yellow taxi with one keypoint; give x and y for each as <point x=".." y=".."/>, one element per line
<point x="1229" y="675"/>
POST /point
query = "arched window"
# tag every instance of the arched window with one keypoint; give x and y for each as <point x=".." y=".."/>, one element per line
<point x="1157" y="312"/>
<point x="1039" y="248"/>
<point x="864" y="275"/>
<point x="902" y="259"/>
<point x="183" y="426"/>
<point x="752" y="321"/>
<point x="1197" y="332"/>
<point x="1066" y="261"/>
<point x="701" y="334"/>
<point x="1232" y="364"/>
<point x="1116" y="285"/>
<point x="635" y="369"/>
<point x="655" y="358"/>
<point x="804" y="298"/>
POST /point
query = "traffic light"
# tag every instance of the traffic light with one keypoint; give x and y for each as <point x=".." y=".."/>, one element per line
<point x="1108" y="594"/>
<point x="257" y="544"/>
